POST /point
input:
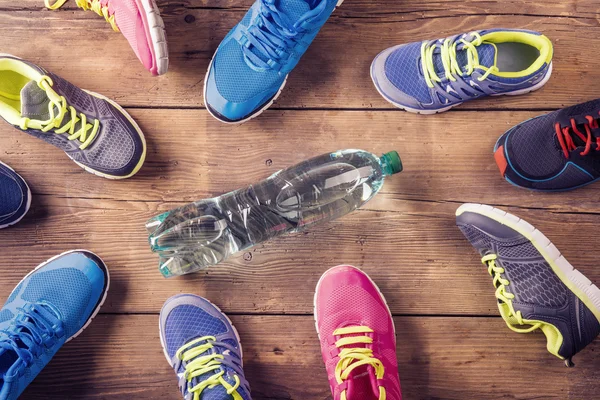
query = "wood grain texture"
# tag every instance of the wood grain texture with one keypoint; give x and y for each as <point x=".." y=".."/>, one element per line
<point x="333" y="73"/>
<point x="405" y="237"/>
<point x="120" y="356"/>
<point x="451" y="343"/>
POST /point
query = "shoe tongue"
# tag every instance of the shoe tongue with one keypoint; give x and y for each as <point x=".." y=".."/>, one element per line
<point x="362" y="381"/>
<point x="485" y="51"/>
<point x="34" y="102"/>
<point x="362" y="384"/>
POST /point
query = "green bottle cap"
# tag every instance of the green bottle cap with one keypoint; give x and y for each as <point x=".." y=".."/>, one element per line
<point x="391" y="163"/>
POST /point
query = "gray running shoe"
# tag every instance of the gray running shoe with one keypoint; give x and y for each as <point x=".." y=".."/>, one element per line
<point x="94" y="131"/>
<point x="536" y="286"/>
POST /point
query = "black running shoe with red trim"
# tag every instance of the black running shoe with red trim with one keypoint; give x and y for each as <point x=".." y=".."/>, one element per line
<point x="553" y="152"/>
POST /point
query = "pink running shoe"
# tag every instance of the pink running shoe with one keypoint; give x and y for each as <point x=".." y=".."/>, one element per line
<point x="140" y="23"/>
<point x="357" y="334"/>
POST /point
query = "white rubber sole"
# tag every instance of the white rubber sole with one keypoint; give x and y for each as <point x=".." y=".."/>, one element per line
<point x="316" y="317"/>
<point x="583" y="288"/>
<point x="27" y="206"/>
<point x="265" y="107"/>
<point x="158" y="35"/>
<point x="137" y="128"/>
<point x="97" y="309"/>
<point x="533" y="88"/>
<point x="235" y="332"/>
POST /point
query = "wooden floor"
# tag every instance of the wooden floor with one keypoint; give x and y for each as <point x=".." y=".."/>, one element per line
<point x="451" y="342"/>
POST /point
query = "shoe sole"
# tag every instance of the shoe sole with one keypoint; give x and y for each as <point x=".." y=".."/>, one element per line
<point x="316" y="317"/>
<point x="235" y="332"/>
<point x="263" y="108"/>
<point x="581" y="286"/>
<point x="535" y="87"/>
<point x="158" y="36"/>
<point x="27" y="206"/>
<point x="102" y="300"/>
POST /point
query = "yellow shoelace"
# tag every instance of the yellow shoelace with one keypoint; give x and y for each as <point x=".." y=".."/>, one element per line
<point x="352" y="358"/>
<point x="85" y="134"/>
<point x="507" y="311"/>
<point x="451" y="66"/>
<point x="93" y="5"/>
<point x="205" y="364"/>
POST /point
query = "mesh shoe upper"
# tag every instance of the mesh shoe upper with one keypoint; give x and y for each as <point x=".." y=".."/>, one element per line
<point x="531" y="155"/>
<point x="186" y="318"/>
<point x="401" y="73"/>
<point x="117" y="149"/>
<point x="253" y="61"/>
<point x="539" y="293"/>
<point x="48" y="307"/>
<point x="14" y="196"/>
<point x="346" y="297"/>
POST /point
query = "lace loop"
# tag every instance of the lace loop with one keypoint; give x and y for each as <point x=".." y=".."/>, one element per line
<point x="566" y="140"/>
<point x="34" y="327"/>
<point x="94" y="5"/>
<point x="354" y="357"/>
<point x="86" y="132"/>
<point x="448" y="53"/>
<point x="197" y="364"/>
<point x="507" y="310"/>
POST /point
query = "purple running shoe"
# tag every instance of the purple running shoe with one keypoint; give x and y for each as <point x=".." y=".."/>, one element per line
<point x="435" y="75"/>
<point x="204" y="349"/>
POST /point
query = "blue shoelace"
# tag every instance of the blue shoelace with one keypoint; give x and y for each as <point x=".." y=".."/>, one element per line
<point x="273" y="33"/>
<point x="35" y="326"/>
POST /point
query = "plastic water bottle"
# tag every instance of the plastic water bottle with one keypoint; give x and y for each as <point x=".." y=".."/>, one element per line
<point x="206" y="232"/>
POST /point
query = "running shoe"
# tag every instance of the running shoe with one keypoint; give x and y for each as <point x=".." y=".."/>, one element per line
<point x="204" y="349"/>
<point x="139" y="21"/>
<point x="553" y="152"/>
<point x="94" y="131"/>
<point x="435" y="75"/>
<point x="251" y="65"/>
<point x="52" y="305"/>
<point x="15" y="197"/>
<point x="358" y="337"/>
<point x="536" y="287"/>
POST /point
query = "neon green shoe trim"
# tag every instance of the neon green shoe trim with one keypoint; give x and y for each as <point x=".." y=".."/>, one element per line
<point x="14" y="75"/>
<point x="199" y="365"/>
<point x="540" y="42"/>
<point x="514" y="319"/>
<point x="137" y="128"/>
<point x="453" y="69"/>
<point x="475" y="208"/>
<point x="93" y="5"/>
<point x="451" y="66"/>
<point x="83" y="135"/>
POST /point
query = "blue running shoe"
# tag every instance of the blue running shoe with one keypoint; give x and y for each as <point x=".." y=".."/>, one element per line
<point x="15" y="197"/>
<point x="251" y="65"/>
<point x="553" y="152"/>
<point x="535" y="285"/>
<point x="50" y="306"/>
<point x="203" y="348"/>
<point x="433" y="76"/>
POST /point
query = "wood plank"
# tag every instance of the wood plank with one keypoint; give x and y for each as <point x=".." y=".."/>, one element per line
<point x="414" y="251"/>
<point x="120" y="357"/>
<point x="341" y="59"/>
<point x="446" y="157"/>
